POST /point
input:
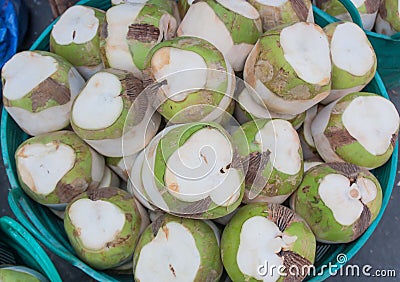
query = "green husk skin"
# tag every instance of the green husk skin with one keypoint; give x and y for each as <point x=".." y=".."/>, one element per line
<point x="202" y="101"/>
<point x="388" y="12"/>
<point x="166" y="5"/>
<point x="75" y="181"/>
<point x="117" y="128"/>
<point x="285" y="14"/>
<point x="13" y="275"/>
<point x="119" y="250"/>
<point x="342" y="79"/>
<point x="183" y="7"/>
<point x="335" y="8"/>
<point x="352" y="151"/>
<point x="86" y="54"/>
<point x="60" y="76"/>
<point x="304" y="246"/>
<point x="308" y="204"/>
<point x="277" y="183"/>
<point x="166" y="147"/>
<point x="206" y="243"/>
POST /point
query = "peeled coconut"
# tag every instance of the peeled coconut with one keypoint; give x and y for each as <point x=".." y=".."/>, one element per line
<point x="53" y="168"/>
<point x="310" y="164"/>
<point x="110" y="179"/>
<point x="76" y="37"/>
<point x="274" y="13"/>
<point x="272" y="151"/>
<point x="191" y="170"/>
<point x="194" y="81"/>
<point x="42" y="105"/>
<point x="233" y="26"/>
<point x="338" y="200"/>
<point x="250" y="107"/>
<point x="112" y="115"/>
<point x="11" y="273"/>
<point x="368" y="10"/>
<point x="129" y="33"/>
<point x="169" y="6"/>
<point x="290" y="68"/>
<point x="360" y="128"/>
<point x="177" y="249"/>
<point x="122" y="165"/>
<point x="263" y="238"/>
<point x="353" y="59"/>
<point x="388" y="19"/>
<point x="103" y="227"/>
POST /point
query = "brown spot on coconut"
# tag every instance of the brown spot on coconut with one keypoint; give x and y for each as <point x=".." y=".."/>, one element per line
<point x="49" y="90"/>
<point x="145" y="33"/>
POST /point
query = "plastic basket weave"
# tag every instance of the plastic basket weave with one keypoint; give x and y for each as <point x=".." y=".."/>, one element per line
<point x="49" y="229"/>
<point x="387" y="48"/>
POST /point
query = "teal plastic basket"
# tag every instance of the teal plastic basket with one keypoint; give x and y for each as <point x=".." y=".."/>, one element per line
<point x="26" y="249"/>
<point x="45" y="226"/>
<point x="387" y="48"/>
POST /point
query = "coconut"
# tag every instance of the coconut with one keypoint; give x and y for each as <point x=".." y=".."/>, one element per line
<point x="42" y="105"/>
<point x="233" y="26"/>
<point x="169" y="6"/>
<point x="177" y="249"/>
<point x="110" y="179"/>
<point x="20" y="273"/>
<point x="388" y="19"/>
<point x="274" y="13"/>
<point x="360" y="128"/>
<point x="310" y="164"/>
<point x="347" y="198"/>
<point x="353" y="59"/>
<point x="194" y="81"/>
<point x="183" y="7"/>
<point x="55" y="167"/>
<point x="267" y="239"/>
<point x="272" y="150"/>
<point x="103" y="227"/>
<point x="112" y="115"/>
<point x="290" y="68"/>
<point x="250" y="107"/>
<point x="367" y="9"/>
<point x="121" y="165"/>
<point x="130" y="31"/>
<point x="76" y="37"/>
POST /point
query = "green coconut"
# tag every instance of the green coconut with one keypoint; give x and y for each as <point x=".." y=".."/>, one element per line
<point x="339" y="201"/>
<point x="103" y="227"/>
<point x="290" y="68"/>
<point x="272" y="151"/>
<point x="54" y="168"/>
<point x="10" y="273"/>
<point x="360" y="128"/>
<point x="233" y="26"/>
<point x="178" y="249"/>
<point x="38" y="90"/>
<point x="279" y="244"/>
<point x="76" y="37"/>
<point x="388" y="19"/>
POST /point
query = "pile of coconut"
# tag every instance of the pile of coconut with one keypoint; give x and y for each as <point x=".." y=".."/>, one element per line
<point x="176" y="140"/>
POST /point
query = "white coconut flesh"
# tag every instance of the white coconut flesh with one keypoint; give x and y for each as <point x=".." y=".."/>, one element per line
<point x="282" y="140"/>
<point x="310" y="115"/>
<point x="109" y="179"/>
<point x="119" y="18"/>
<point x="77" y="25"/>
<point x="306" y="49"/>
<point x="346" y="200"/>
<point x="99" y="104"/>
<point x="199" y="168"/>
<point x="260" y="242"/>
<point x="185" y="71"/>
<point x="308" y="165"/>
<point x="97" y="222"/>
<point x="171" y="256"/>
<point x="24" y="71"/>
<point x="42" y="166"/>
<point x="273" y="3"/>
<point x="240" y="7"/>
<point x="336" y="94"/>
<point x="372" y="121"/>
<point x="351" y="50"/>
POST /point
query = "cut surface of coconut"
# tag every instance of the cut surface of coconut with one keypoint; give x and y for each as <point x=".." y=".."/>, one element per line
<point x="99" y="104"/>
<point x="351" y="50"/>
<point x="42" y="166"/>
<point x="306" y="48"/>
<point x="372" y="121"/>
<point x="273" y="3"/>
<point x="282" y="140"/>
<point x="310" y="115"/>
<point x="99" y="222"/>
<point x="77" y="25"/>
<point x="24" y="71"/>
<point x="171" y="256"/>
<point x="240" y="7"/>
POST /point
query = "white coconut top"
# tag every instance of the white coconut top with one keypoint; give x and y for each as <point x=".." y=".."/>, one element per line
<point x="42" y="166"/>
<point x="240" y="7"/>
<point x="24" y="71"/>
<point x="371" y="120"/>
<point x="98" y="222"/>
<point x="273" y="3"/>
<point x="171" y="256"/>
<point x="358" y="3"/>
